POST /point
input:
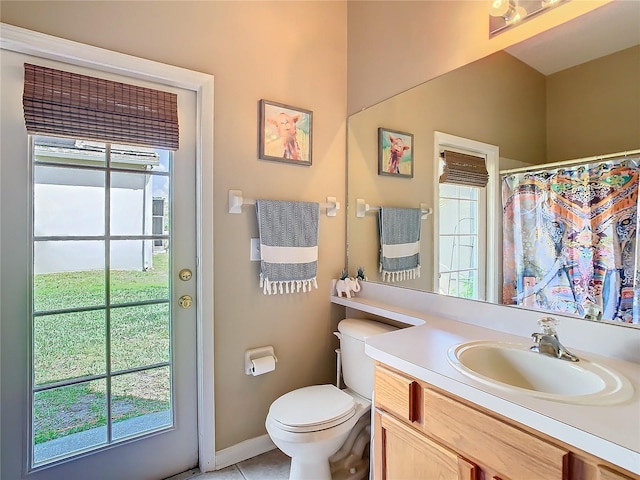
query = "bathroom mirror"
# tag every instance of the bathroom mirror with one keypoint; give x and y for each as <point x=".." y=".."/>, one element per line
<point x="535" y="109"/>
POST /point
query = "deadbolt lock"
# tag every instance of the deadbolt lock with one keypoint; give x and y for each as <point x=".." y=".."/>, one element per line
<point x="185" y="301"/>
<point x="185" y="274"/>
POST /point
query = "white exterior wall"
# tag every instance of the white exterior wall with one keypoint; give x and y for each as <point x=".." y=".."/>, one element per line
<point x="75" y="209"/>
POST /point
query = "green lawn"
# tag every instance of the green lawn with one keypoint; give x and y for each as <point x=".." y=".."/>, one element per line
<point x="71" y="345"/>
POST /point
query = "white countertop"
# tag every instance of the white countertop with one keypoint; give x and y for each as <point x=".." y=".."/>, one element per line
<point x="609" y="432"/>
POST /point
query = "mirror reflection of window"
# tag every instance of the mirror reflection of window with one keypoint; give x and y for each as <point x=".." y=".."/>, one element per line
<point x="462" y="257"/>
<point x="460" y="266"/>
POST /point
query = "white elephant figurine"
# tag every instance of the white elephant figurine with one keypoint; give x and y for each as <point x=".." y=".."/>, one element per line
<point x="347" y="286"/>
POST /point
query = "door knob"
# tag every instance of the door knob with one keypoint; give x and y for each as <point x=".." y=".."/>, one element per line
<point x="185" y="301"/>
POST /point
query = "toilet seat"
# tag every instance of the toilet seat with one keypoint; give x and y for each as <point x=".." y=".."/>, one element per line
<point x="313" y="408"/>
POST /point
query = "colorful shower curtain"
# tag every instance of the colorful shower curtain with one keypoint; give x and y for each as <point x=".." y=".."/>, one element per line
<point x="570" y="240"/>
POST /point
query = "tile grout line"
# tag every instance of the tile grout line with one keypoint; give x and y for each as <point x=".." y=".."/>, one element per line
<point x="237" y="465"/>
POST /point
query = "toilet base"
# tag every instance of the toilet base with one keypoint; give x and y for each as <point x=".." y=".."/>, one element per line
<point x="357" y="471"/>
<point x="310" y="469"/>
<point x="351" y="462"/>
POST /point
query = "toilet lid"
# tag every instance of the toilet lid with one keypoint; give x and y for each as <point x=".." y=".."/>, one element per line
<point x="312" y="408"/>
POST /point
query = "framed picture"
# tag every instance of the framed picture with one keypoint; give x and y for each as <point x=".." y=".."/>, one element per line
<point x="395" y="153"/>
<point x="285" y="133"/>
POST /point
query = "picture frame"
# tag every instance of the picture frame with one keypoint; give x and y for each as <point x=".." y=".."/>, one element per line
<point x="285" y="133"/>
<point x="395" y="153"/>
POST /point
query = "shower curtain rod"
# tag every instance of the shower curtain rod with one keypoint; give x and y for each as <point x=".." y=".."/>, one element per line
<point x="566" y="163"/>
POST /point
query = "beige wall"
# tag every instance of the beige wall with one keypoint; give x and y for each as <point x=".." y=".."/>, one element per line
<point x="462" y="103"/>
<point x="396" y="45"/>
<point x="288" y="52"/>
<point x="581" y="124"/>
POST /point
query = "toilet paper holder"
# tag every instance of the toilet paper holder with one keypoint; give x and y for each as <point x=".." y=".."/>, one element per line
<point x="256" y="353"/>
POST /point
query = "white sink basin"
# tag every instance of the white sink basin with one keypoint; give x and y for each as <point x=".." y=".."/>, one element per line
<point x="514" y="367"/>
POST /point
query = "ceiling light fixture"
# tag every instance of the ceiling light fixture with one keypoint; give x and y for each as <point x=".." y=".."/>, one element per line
<point x="506" y="13"/>
<point x="498" y="8"/>
<point x="515" y="15"/>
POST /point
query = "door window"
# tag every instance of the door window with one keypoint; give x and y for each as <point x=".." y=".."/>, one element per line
<point x="101" y="368"/>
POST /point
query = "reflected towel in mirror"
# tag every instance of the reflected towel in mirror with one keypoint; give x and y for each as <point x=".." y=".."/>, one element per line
<point x="399" y="230"/>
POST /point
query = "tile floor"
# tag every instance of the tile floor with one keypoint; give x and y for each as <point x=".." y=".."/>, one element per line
<point x="273" y="465"/>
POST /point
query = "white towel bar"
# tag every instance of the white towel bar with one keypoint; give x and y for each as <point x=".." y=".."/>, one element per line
<point x="362" y="208"/>
<point x="236" y="201"/>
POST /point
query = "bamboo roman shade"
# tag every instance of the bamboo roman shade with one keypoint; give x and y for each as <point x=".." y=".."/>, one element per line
<point x="79" y="106"/>
<point x="464" y="169"/>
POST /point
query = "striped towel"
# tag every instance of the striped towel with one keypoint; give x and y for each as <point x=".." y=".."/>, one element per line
<point x="399" y="230"/>
<point x="288" y="245"/>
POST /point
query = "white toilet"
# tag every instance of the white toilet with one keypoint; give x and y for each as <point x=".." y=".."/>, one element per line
<point x="312" y="423"/>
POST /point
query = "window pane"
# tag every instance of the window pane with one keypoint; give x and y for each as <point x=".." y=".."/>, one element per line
<point x="164" y="160"/>
<point x="69" y="419"/>
<point x="69" y="345"/>
<point x="446" y="254"/>
<point x="68" y="274"/>
<point x="468" y="192"/>
<point x="443" y="286"/>
<point x="448" y="283"/>
<point x="459" y="284"/>
<point x="131" y="327"/>
<point x="467" y="217"/>
<point x="132" y="202"/>
<point x="465" y="252"/>
<point x="448" y="190"/>
<point x="137" y="272"/>
<point x="458" y="191"/>
<point x="467" y="284"/>
<point x="69" y="151"/>
<point x="141" y="402"/>
<point x="455" y="254"/>
<point x="68" y="201"/>
<point x="448" y="215"/>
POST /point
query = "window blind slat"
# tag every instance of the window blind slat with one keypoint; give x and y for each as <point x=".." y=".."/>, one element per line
<point x="79" y="106"/>
<point x="464" y="169"/>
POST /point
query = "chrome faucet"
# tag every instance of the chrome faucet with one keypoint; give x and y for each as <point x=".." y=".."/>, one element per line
<point x="547" y="342"/>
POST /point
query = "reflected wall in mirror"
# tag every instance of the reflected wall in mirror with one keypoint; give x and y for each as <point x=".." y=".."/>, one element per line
<point x="533" y="118"/>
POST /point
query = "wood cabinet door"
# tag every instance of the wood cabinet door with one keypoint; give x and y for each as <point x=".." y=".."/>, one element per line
<point x="402" y="453"/>
<point x="608" y="474"/>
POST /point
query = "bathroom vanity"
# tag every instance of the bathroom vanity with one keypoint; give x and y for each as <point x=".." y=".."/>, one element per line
<point x="433" y="420"/>
<point x="424" y="432"/>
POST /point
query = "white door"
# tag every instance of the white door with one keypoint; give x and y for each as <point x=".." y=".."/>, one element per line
<point x="98" y="355"/>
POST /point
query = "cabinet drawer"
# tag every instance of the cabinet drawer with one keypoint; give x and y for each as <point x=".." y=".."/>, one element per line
<point x="509" y="450"/>
<point x="398" y="394"/>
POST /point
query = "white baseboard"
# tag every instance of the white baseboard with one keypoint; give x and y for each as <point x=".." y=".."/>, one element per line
<point x="243" y="451"/>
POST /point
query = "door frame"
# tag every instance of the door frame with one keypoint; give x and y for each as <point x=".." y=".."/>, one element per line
<point x="28" y="42"/>
<point x="492" y="154"/>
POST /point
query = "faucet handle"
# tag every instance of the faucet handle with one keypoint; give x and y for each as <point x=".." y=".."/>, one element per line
<point x="548" y="325"/>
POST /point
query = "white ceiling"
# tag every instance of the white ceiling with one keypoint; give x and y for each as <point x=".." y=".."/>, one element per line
<point x="603" y="31"/>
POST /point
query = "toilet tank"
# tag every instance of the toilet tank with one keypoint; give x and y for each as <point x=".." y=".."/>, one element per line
<point x="357" y="367"/>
